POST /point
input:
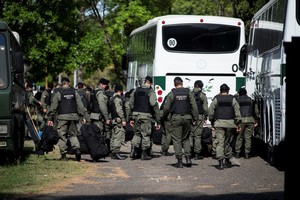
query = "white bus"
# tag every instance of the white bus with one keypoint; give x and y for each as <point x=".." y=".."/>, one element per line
<point x="265" y="68"/>
<point x="193" y="47"/>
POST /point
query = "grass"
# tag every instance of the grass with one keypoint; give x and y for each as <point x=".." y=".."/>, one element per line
<point x="37" y="173"/>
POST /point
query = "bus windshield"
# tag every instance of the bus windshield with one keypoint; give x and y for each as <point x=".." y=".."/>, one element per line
<point x="201" y="38"/>
<point x="3" y="68"/>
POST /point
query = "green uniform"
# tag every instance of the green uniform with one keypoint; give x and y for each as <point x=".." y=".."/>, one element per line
<point x="67" y="122"/>
<point x="196" y="131"/>
<point x="166" y="135"/>
<point x="100" y="118"/>
<point x="225" y="128"/>
<point x="143" y="121"/>
<point x="118" y="133"/>
<point x="247" y="127"/>
<point x="181" y="124"/>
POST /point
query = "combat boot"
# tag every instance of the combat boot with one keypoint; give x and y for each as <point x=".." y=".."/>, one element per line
<point x="221" y="164"/>
<point x="77" y="155"/>
<point x="63" y="157"/>
<point x="179" y="163"/>
<point x="227" y="163"/>
<point x="145" y="155"/>
<point x="133" y="153"/>
<point x="188" y="161"/>
<point x="166" y="153"/>
<point x="117" y="156"/>
<point x="198" y="156"/>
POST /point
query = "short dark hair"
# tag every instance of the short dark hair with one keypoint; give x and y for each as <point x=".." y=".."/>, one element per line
<point x="65" y="79"/>
<point x="80" y="85"/>
<point x="224" y="88"/>
<point x="198" y="83"/>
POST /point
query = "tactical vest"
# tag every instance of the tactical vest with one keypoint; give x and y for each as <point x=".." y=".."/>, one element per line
<point x="141" y="100"/>
<point x="68" y="101"/>
<point x="95" y="105"/>
<point x="199" y="102"/>
<point x="113" y="110"/>
<point x="48" y="98"/>
<point x="224" y="109"/>
<point x="245" y="103"/>
<point x="181" y="101"/>
<point x="83" y="97"/>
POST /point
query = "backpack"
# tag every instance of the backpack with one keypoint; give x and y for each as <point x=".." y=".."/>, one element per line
<point x="49" y="139"/>
<point x="94" y="141"/>
<point x="206" y="136"/>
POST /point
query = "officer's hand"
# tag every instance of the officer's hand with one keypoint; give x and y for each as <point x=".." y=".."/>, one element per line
<point x="157" y="127"/>
<point x="108" y="121"/>
<point x="83" y="121"/>
<point x="131" y="123"/>
<point x="50" y="123"/>
<point x="238" y="129"/>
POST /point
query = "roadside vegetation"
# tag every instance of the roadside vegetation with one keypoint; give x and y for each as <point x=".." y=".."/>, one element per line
<point x="39" y="174"/>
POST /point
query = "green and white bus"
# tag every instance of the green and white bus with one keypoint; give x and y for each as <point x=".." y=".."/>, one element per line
<point x="275" y="24"/>
<point x="193" y="47"/>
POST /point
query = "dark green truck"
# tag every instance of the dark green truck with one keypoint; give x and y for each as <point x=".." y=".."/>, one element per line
<point x="12" y="94"/>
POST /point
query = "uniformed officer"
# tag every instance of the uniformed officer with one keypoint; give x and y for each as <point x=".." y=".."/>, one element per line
<point x="182" y="107"/>
<point x="84" y="94"/>
<point x="224" y="114"/>
<point x="119" y="123"/>
<point x="249" y="113"/>
<point x="99" y="109"/>
<point x="67" y="104"/>
<point x="46" y="100"/>
<point x="145" y="112"/>
<point x="196" y="132"/>
<point x="166" y="135"/>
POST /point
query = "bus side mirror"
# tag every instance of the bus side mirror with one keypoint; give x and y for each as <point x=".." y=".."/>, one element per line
<point x="243" y="57"/>
<point x="19" y="67"/>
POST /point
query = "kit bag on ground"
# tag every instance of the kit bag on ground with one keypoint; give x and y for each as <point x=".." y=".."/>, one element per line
<point x="95" y="141"/>
<point x="49" y="139"/>
<point x="156" y="136"/>
<point x="129" y="132"/>
<point x="83" y="147"/>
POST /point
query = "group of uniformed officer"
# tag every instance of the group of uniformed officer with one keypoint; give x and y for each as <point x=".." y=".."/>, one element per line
<point x="183" y="115"/>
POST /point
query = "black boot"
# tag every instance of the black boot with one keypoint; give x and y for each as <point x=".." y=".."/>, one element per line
<point x="63" y="157"/>
<point x="188" y="161"/>
<point x="221" y="164"/>
<point x="166" y="153"/>
<point x="227" y="163"/>
<point x="145" y="155"/>
<point x="198" y="156"/>
<point x="77" y="155"/>
<point x="179" y="164"/>
<point x="117" y="156"/>
<point x="133" y="153"/>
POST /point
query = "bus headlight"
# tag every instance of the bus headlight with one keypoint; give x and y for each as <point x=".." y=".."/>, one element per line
<point x="3" y="129"/>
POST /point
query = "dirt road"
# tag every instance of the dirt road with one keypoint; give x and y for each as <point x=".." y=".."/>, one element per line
<point x="158" y="179"/>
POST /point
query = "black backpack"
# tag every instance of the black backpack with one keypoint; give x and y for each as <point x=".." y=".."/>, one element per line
<point x="49" y="139"/>
<point x="94" y="141"/>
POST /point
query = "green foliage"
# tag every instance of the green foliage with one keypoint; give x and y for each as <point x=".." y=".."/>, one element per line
<point x="91" y="35"/>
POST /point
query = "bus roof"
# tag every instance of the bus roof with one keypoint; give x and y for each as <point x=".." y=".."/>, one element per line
<point x="175" y="19"/>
